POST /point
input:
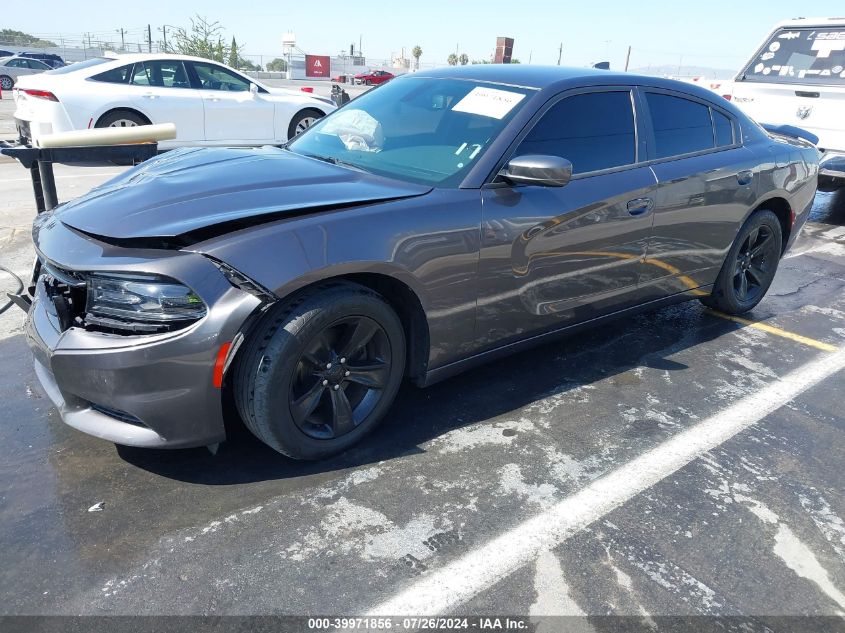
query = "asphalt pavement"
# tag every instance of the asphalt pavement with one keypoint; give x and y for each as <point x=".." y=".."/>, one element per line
<point x="674" y="464"/>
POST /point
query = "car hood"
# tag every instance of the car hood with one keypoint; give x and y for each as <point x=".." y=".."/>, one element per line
<point x="192" y="194"/>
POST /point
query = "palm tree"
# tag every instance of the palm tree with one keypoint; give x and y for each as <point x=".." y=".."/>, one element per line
<point x="417" y="53"/>
<point x="452" y="60"/>
<point x="464" y="59"/>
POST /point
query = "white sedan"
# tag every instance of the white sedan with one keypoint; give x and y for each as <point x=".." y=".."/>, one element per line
<point x="210" y="103"/>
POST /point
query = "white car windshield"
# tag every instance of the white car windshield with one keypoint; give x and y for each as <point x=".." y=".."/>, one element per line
<point x="805" y="55"/>
<point x="424" y="130"/>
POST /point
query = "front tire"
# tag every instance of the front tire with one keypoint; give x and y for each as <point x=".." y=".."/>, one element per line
<point x="321" y="371"/>
<point x="6" y="82"/>
<point x="750" y="266"/>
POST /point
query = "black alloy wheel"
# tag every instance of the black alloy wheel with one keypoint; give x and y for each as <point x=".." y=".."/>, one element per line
<point x="755" y="260"/>
<point x="340" y="377"/>
<point x="321" y="370"/>
<point x="750" y="265"/>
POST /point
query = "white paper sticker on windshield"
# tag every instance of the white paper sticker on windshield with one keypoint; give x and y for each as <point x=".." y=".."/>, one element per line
<point x="488" y="102"/>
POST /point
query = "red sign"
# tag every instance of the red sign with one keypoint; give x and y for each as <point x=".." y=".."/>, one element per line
<point x="317" y="66"/>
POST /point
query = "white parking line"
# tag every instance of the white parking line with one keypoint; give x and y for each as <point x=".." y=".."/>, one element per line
<point x="456" y="583"/>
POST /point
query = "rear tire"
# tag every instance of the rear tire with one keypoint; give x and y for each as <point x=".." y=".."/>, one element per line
<point x="750" y="266"/>
<point x="321" y="370"/>
<point x="122" y="118"/>
<point x="301" y="121"/>
<point x="6" y="82"/>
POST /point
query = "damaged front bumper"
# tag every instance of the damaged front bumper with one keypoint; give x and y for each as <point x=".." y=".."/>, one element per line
<point x="150" y="390"/>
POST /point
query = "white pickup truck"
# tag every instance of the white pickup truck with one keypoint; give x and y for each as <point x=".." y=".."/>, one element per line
<point x="797" y="78"/>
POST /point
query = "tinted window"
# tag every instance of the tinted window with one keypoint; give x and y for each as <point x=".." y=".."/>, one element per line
<point x="94" y="61"/>
<point x="808" y="55"/>
<point x="115" y="75"/>
<point x="724" y="129"/>
<point x="17" y="63"/>
<point x="161" y="74"/>
<point x="593" y="131"/>
<point x="680" y="126"/>
<point x="38" y="65"/>
<point x="213" y="77"/>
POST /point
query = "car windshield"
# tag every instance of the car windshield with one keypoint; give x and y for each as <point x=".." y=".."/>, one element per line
<point x="94" y="61"/>
<point x="805" y="55"/>
<point x="428" y="131"/>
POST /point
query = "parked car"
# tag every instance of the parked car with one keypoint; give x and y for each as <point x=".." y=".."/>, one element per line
<point x="373" y="77"/>
<point x="210" y="104"/>
<point x="4" y="53"/>
<point x="11" y="68"/>
<point x="797" y="77"/>
<point x="443" y="220"/>
<point x="51" y="59"/>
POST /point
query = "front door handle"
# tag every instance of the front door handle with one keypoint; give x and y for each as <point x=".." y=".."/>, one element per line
<point x="745" y="177"/>
<point x="640" y="206"/>
<point x="150" y="95"/>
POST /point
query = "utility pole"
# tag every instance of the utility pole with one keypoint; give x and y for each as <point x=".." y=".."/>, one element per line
<point x="164" y="37"/>
<point x="122" y="40"/>
<point x="627" y="58"/>
<point x="559" y="53"/>
<point x="149" y="39"/>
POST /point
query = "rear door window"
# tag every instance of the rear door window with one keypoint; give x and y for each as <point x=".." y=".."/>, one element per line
<point x="161" y="74"/>
<point x="593" y="131"/>
<point x="723" y="128"/>
<point x="680" y="126"/>
<point x="805" y="55"/>
<point x="118" y="75"/>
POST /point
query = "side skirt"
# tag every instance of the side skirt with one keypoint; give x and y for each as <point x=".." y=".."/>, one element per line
<point x="447" y="371"/>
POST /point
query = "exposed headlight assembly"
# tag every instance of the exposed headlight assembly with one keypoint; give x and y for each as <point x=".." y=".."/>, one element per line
<point x="140" y="303"/>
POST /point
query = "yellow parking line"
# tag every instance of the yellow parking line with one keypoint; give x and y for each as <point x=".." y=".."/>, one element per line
<point x="771" y="329"/>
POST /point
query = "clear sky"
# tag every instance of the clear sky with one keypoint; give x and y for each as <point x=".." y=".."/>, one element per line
<point x="712" y="33"/>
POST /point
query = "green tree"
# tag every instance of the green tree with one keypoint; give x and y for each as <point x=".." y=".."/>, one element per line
<point x="417" y="53"/>
<point x="234" y="56"/>
<point x="204" y="39"/>
<point x="514" y="60"/>
<point x="19" y="38"/>
<point x="278" y="65"/>
<point x="464" y="59"/>
<point x="452" y="60"/>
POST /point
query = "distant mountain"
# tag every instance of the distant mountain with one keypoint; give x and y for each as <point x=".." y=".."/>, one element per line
<point x="670" y="70"/>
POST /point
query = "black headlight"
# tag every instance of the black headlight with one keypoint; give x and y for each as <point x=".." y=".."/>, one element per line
<point x="140" y="303"/>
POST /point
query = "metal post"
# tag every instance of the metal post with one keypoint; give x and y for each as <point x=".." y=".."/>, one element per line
<point x="48" y="184"/>
<point x="37" y="189"/>
<point x="627" y="59"/>
<point x="149" y="39"/>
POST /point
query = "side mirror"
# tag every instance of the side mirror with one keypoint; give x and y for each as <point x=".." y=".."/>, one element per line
<point x="253" y="89"/>
<point x="537" y="169"/>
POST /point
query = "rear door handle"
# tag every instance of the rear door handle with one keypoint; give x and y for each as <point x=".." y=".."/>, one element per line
<point x="745" y="177"/>
<point x="640" y="206"/>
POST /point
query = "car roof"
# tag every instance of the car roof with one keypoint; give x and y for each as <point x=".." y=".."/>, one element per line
<point x="810" y="22"/>
<point x="557" y="78"/>
<point x="128" y="58"/>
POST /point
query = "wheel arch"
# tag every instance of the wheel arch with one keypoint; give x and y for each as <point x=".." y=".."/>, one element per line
<point x="133" y="110"/>
<point x="785" y="215"/>
<point x="402" y="298"/>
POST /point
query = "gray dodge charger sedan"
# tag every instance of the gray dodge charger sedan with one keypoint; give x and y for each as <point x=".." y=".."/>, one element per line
<point x="441" y="220"/>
